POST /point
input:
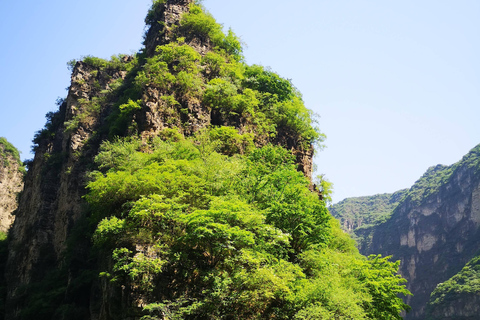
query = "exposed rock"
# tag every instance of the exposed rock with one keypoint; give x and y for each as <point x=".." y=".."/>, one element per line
<point x="434" y="231"/>
<point x="169" y="14"/>
<point x="51" y="204"/>
<point x="52" y="209"/>
<point x="11" y="183"/>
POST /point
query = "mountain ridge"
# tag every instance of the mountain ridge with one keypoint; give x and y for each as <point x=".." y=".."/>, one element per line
<point x="433" y="230"/>
<point x="175" y="183"/>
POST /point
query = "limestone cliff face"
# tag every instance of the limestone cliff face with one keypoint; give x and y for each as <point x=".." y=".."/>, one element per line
<point x="48" y="245"/>
<point x="435" y="230"/>
<point x="11" y="183"/>
<point x="51" y="204"/>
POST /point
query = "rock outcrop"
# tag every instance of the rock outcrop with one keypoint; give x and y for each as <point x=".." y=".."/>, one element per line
<point x="50" y="247"/>
<point x="11" y="183"/>
<point x="435" y="230"/>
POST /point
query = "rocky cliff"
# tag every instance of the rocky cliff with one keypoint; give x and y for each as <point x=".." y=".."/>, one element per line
<point x="11" y="182"/>
<point x="457" y="298"/>
<point x="360" y="215"/>
<point x="50" y="248"/>
<point x="435" y="231"/>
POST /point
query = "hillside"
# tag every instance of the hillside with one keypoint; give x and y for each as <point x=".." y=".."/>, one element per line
<point x="175" y="184"/>
<point x="11" y="182"/>
<point x="458" y="297"/>
<point x="360" y="215"/>
<point x="435" y="232"/>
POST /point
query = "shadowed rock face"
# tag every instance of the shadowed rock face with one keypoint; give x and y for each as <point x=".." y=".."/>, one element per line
<point x="11" y="183"/>
<point x="51" y="211"/>
<point x="435" y="230"/>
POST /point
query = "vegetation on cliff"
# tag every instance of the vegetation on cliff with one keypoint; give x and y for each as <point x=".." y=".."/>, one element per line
<point x="209" y="214"/>
<point x="453" y="293"/>
<point x="360" y="215"/>
<point x="439" y="175"/>
<point x="434" y="229"/>
<point x="8" y="153"/>
<point x="198" y="233"/>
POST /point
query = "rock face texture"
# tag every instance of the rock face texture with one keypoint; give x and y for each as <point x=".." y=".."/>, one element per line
<point x="435" y="231"/>
<point x="11" y="183"/>
<point x="48" y="246"/>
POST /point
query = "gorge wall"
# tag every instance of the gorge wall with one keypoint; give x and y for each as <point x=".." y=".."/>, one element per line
<point x="11" y="182"/>
<point x="434" y="230"/>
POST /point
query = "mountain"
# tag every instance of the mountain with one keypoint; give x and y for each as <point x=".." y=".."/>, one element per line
<point x="360" y="215"/>
<point x="458" y="297"/>
<point x="434" y="232"/>
<point x="175" y="184"/>
<point x="11" y="182"/>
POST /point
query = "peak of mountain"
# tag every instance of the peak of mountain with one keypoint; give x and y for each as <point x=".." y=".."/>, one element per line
<point x="175" y="183"/>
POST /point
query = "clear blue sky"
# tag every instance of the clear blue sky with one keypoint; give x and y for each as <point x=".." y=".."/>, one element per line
<point x="396" y="83"/>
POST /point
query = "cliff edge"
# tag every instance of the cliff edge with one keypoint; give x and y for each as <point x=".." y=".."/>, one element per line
<point x="11" y="182"/>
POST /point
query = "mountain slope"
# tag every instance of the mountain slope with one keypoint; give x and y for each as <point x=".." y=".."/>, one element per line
<point x="458" y="297"/>
<point x="360" y="215"/>
<point x="434" y="231"/>
<point x="175" y="184"/>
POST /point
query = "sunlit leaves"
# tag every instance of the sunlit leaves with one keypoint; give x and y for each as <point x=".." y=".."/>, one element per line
<point x="234" y="234"/>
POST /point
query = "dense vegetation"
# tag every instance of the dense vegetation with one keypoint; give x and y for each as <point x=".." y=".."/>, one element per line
<point x="360" y="215"/>
<point x="200" y="234"/>
<point x="438" y="175"/>
<point x="216" y="223"/>
<point x="462" y="286"/>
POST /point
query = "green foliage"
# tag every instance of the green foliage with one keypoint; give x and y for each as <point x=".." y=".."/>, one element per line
<point x="460" y="287"/>
<point x="362" y="214"/>
<point x="197" y="232"/>
<point x="269" y="105"/>
<point x="230" y="141"/>
<point x="437" y="176"/>
<point x="202" y="24"/>
<point x="71" y="64"/>
<point x="49" y="131"/>
<point x="155" y="73"/>
<point x="180" y="56"/>
<point x="89" y="109"/>
<point x="384" y="285"/>
<point x="211" y="226"/>
<point x="153" y="13"/>
<point x="7" y="150"/>
<point x="269" y="83"/>
<point x="429" y="183"/>
<point x="116" y="62"/>
<point x="325" y="188"/>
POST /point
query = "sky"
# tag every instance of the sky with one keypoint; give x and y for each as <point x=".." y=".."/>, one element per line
<point x="395" y="84"/>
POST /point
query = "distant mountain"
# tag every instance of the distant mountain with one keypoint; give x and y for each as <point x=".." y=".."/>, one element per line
<point x="434" y="231"/>
<point x="359" y="216"/>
